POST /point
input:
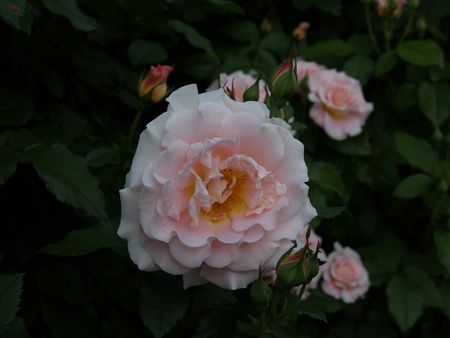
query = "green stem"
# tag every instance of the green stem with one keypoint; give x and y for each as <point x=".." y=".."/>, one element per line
<point x="370" y="29"/>
<point x="298" y="299"/>
<point x="133" y="129"/>
<point x="274" y="305"/>
<point x="407" y="29"/>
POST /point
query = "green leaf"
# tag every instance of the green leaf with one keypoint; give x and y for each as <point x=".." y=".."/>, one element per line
<point x="9" y="15"/>
<point x="8" y="159"/>
<point x="102" y="156"/>
<point x="80" y="242"/>
<point x="330" y="6"/>
<point x="445" y="293"/>
<point x="70" y="9"/>
<point x="334" y="47"/>
<point x="15" y="108"/>
<point x="329" y="212"/>
<point x="162" y="303"/>
<point x="417" y="152"/>
<point x="302" y="4"/>
<point x="194" y="38"/>
<point x="405" y="96"/>
<point x="326" y="176"/>
<point x="53" y="81"/>
<point x="359" y="67"/>
<point x="434" y="101"/>
<point x="442" y="240"/>
<point x="311" y="309"/>
<point x="426" y="285"/>
<point x="67" y="177"/>
<point x="353" y="146"/>
<point x="145" y="53"/>
<point x="413" y="186"/>
<point x="10" y="291"/>
<point x="226" y="6"/>
<point x="405" y="301"/>
<point x="60" y="280"/>
<point x="17" y="328"/>
<point x="216" y="325"/>
<point x="421" y="53"/>
<point x="242" y="30"/>
<point x="385" y="62"/>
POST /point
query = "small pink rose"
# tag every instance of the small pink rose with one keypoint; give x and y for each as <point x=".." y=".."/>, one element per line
<point x="389" y="9"/>
<point x="154" y="84"/>
<point x="345" y="276"/>
<point x="238" y="81"/>
<point x="299" y="32"/>
<point x="307" y="68"/>
<point x="338" y="104"/>
<point x="216" y="191"/>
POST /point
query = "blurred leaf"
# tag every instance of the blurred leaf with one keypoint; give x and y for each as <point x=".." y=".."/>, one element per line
<point x="434" y="101"/>
<point x="226" y="6"/>
<point x="421" y="53"/>
<point x="10" y="291"/>
<point x="426" y="285"/>
<point x="8" y="160"/>
<point x="243" y="30"/>
<point x="162" y="303"/>
<point x="405" y="96"/>
<point x="15" y="107"/>
<point x="276" y="42"/>
<point x="445" y="292"/>
<point x="67" y="177"/>
<point x="330" y="6"/>
<point x="361" y="43"/>
<point x="61" y="280"/>
<point x="102" y="156"/>
<point x="417" y="152"/>
<point x="385" y="62"/>
<point x="353" y="146"/>
<point x="326" y="176"/>
<point x="216" y="325"/>
<point x="442" y="240"/>
<point x="53" y="81"/>
<point x="70" y="9"/>
<point x="413" y="186"/>
<point x="405" y="301"/>
<point x="195" y="39"/>
<point x="302" y="4"/>
<point x="90" y="239"/>
<point x="335" y="47"/>
<point x="359" y="67"/>
<point x="146" y="53"/>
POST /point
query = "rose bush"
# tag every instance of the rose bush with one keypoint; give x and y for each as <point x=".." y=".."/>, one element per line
<point x="216" y="190"/>
<point x="345" y="276"/>
<point x="338" y="103"/>
<point x="239" y="82"/>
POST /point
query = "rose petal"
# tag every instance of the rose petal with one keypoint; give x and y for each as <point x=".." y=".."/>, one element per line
<point x="223" y="254"/>
<point x="187" y="256"/>
<point x="228" y="279"/>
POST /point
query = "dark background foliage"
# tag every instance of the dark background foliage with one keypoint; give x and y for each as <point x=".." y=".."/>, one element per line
<point x="67" y="100"/>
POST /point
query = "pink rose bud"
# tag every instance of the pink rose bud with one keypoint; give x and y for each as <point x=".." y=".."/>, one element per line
<point x="299" y="33"/>
<point x="283" y="82"/>
<point x="389" y="9"/>
<point x="345" y="277"/>
<point x="153" y="87"/>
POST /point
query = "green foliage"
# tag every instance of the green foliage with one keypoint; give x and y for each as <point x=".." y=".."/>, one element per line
<point x="162" y="303"/>
<point x="10" y="291"/>
<point x="421" y="53"/>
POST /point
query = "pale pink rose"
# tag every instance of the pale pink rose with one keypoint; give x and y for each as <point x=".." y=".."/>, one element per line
<point x="345" y="277"/>
<point x="314" y="239"/>
<point x="339" y="105"/>
<point x="307" y="68"/>
<point x="216" y="190"/>
<point x="240" y="82"/>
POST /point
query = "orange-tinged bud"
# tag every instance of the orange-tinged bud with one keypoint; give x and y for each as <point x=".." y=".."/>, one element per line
<point x="154" y="86"/>
<point x="300" y="32"/>
<point x="389" y="9"/>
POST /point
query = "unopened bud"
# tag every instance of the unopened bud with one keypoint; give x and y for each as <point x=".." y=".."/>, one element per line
<point x="442" y="186"/>
<point x="266" y="26"/>
<point x="252" y="92"/>
<point x="153" y="88"/>
<point x="261" y="294"/>
<point x="283" y="82"/>
<point x="414" y="3"/>
<point x="421" y="26"/>
<point x="299" y="33"/>
<point x="437" y="137"/>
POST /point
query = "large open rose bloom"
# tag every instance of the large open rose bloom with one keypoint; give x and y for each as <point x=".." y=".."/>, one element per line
<point x="345" y="276"/>
<point x="339" y="105"/>
<point x="216" y="190"/>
